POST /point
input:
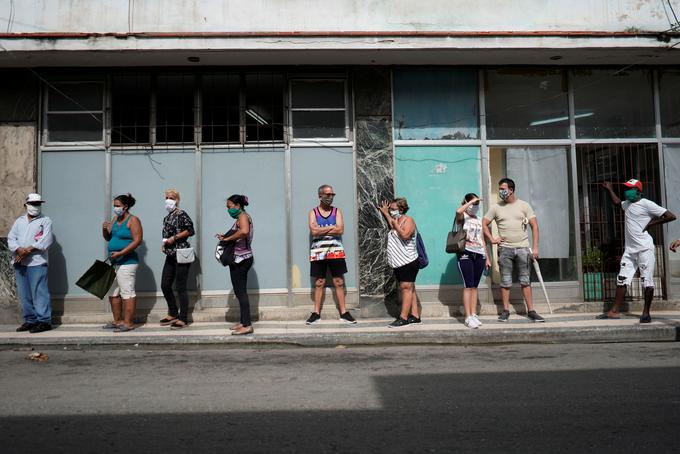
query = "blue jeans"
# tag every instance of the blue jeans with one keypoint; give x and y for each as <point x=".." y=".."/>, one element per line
<point x="33" y="293"/>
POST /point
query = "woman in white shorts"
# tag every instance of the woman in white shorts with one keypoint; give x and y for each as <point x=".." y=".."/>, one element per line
<point x="124" y="235"/>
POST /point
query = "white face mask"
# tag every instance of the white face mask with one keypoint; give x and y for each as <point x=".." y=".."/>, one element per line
<point x="472" y="210"/>
<point x="33" y="210"/>
<point x="118" y="210"/>
<point x="170" y="205"/>
<point x="395" y="213"/>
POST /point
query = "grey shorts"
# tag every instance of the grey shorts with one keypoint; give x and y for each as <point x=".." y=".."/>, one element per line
<point x="509" y="258"/>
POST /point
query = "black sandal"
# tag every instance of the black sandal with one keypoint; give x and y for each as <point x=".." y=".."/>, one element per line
<point x="168" y="321"/>
<point x="178" y="324"/>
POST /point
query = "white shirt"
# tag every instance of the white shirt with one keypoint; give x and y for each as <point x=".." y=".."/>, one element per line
<point x="638" y="215"/>
<point x="36" y="232"/>
<point x="473" y="227"/>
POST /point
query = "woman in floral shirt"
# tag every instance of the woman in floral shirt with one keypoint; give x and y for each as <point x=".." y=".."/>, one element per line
<point x="177" y="228"/>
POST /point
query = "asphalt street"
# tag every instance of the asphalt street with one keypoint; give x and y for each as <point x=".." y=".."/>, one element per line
<point x="520" y="398"/>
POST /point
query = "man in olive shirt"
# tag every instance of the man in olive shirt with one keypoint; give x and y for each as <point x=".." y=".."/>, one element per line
<point x="512" y="217"/>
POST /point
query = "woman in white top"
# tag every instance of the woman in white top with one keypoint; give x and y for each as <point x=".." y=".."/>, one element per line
<point x="474" y="260"/>
<point x="402" y="256"/>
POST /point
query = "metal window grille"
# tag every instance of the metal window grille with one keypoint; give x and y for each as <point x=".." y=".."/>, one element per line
<point x="602" y="223"/>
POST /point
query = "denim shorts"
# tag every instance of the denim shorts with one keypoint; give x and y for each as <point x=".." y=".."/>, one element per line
<point x="509" y="258"/>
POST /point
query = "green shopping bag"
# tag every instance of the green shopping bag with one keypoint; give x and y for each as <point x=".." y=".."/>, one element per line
<point x="97" y="279"/>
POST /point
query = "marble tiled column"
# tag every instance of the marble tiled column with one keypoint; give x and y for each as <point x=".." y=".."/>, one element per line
<point x="9" y="307"/>
<point x="375" y="182"/>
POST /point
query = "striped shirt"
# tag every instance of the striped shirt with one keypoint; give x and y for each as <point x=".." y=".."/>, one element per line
<point x="400" y="252"/>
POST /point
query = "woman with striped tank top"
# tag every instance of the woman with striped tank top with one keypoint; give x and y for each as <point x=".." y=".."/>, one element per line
<point x="402" y="256"/>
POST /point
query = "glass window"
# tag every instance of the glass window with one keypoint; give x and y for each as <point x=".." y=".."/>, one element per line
<point x="130" y="108"/>
<point x="526" y="104"/>
<point x="220" y="104"/>
<point x="175" y="108"/>
<point x="669" y="86"/>
<point x="318" y="109"/>
<point x="613" y="104"/>
<point x="542" y="177"/>
<point x="264" y="107"/>
<point x="75" y="112"/>
<point x="435" y="104"/>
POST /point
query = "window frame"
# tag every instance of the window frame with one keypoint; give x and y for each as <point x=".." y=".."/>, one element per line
<point x="291" y="110"/>
<point x="47" y="112"/>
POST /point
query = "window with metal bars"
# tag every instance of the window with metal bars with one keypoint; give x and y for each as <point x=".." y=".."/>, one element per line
<point x="602" y="223"/>
<point x="175" y="108"/>
<point x="130" y="109"/>
<point x="75" y="112"/>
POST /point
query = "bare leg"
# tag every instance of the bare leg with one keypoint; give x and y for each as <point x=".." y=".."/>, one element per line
<point x="116" y="309"/>
<point x="505" y="297"/>
<point x="649" y="295"/>
<point x="339" y="284"/>
<point x="129" y="306"/>
<point x="318" y="294"/>
<point x="528" y="297"/>
<point x="618" y="300"/>
<point x="415" y="310"/>
<point x="467" y="298"/>
<point x="407" y="297"/>
<point x="473" y="301"/>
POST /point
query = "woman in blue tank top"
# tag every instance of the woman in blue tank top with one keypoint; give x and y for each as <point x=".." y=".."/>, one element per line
<point x="124" y="235"/>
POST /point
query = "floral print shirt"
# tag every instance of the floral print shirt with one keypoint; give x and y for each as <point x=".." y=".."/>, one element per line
<point x="175" y="222"/>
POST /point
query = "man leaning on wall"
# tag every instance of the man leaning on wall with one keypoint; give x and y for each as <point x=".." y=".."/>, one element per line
<point x="29" y="240"/>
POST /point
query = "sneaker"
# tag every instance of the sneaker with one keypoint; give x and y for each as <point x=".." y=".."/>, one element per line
<point x="40" y="327"/>
<point x="646" y="318"/>
<point x="479" y="322"/>
<point x="412" y="319"/>
<point x="26" y="327"/>
<point x="398" y="323"/>
<point x="535" y="317"/>
<point x="313" y="318"/>
<point x="347" y="318"/>
<point x="505" y="315"/>
<point x="471" y="322"/>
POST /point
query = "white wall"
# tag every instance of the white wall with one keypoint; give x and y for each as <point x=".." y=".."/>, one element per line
<point x="125" y="16"/>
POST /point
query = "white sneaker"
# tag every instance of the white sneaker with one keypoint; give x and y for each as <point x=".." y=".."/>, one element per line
<point x="470" y="322"/>
<point x="479" y="322"/>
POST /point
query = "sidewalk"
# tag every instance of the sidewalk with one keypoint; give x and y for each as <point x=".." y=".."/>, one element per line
<point x="562" y="328"/>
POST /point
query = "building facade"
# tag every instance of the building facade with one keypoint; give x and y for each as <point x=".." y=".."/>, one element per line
<point x="273" y="99"/>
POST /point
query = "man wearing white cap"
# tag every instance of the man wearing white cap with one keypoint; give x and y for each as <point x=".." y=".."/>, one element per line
<point x="640" y="215"/>
<point x="29" y="239"/>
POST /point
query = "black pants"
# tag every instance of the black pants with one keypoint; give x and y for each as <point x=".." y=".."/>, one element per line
<point x="177" y="273"/>
<point x="239" y="281"/>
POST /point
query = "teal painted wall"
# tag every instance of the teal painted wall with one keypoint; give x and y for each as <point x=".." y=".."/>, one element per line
<point x="434" y="180"/>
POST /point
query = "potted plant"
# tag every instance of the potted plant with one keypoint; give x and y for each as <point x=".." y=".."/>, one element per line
<point x="592" y="260"/>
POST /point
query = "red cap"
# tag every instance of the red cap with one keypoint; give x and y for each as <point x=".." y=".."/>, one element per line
<point x="632" y="183"/>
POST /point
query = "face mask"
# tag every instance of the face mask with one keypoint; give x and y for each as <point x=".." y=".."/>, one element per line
<point x="118" y="211"/>
<point x="327" y="199"/>
<point x="170" y="205"/>
<point x="632" y="195"/>
<point x="33" y="210"/>
<point x="504" y="194"/>
<point x="472" y="210"/>
<point x="234" y="212"/>
<point x="395" y="213"/>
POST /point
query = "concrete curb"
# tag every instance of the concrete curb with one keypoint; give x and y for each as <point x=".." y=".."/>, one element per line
<point x="661" y="332"/>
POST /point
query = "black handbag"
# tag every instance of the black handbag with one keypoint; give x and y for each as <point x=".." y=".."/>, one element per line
<point x="98" y="278"/>
<point x="455" y="240"/>
<point x="224" y="252"/>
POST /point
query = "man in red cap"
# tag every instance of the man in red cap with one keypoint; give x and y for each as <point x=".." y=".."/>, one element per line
<point x="640" y="215"/>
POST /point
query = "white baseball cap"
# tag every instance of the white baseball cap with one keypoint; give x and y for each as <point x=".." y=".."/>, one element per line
<point x="34" y="198"/>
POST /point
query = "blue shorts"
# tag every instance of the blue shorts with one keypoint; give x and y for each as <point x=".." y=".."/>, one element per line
<point x="471" y="266"/>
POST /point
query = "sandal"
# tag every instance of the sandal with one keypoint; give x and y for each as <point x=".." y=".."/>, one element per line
<point x="606" y="316"/>
<point x="178" y="324"/>
<point x="168" y="321"/>
<point x="122" y="328"/>
<point x="110" y="325"/>
<point x="243" y="330"/>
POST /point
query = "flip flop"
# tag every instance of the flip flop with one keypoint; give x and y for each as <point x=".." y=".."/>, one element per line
<point x="110" y="325"/>
<point x="123" y="329"/>
<point x="605" y="316"/>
